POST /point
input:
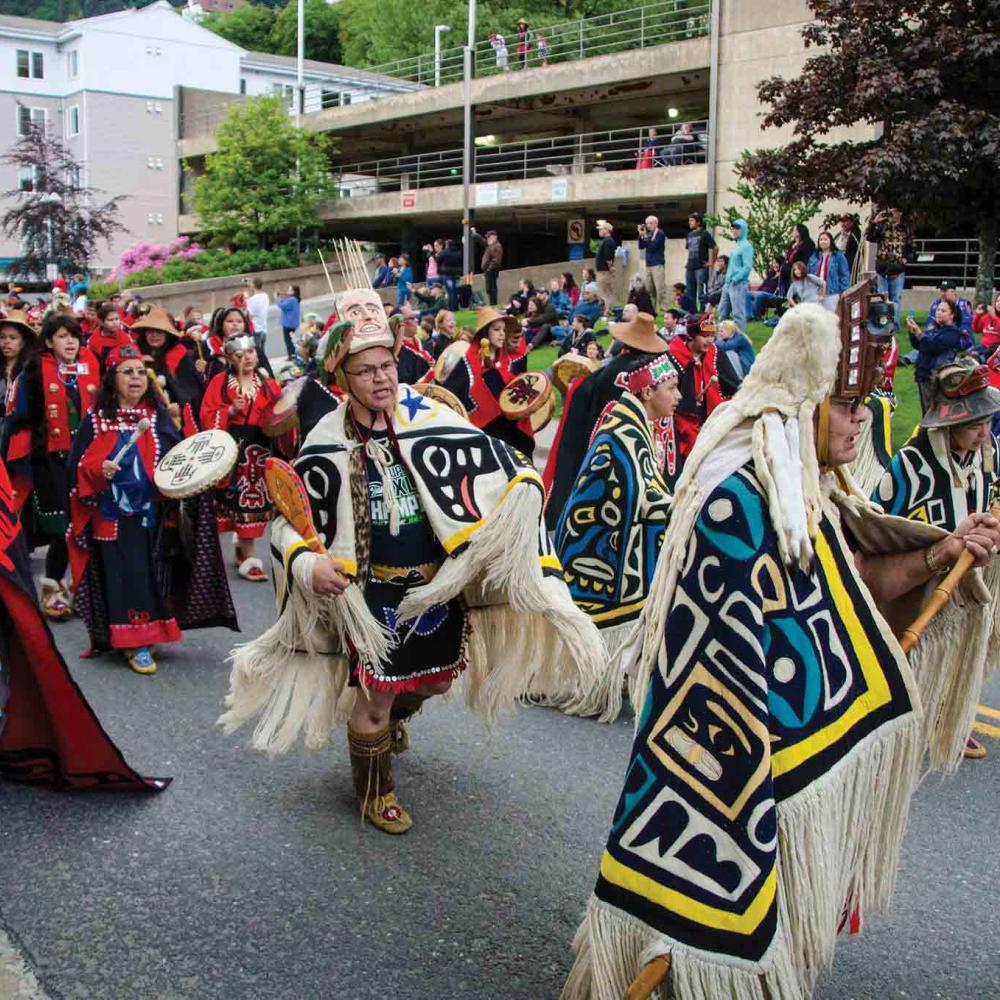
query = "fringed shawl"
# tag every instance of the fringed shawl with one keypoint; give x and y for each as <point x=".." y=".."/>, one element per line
<point x="608" y="539"/>
<point x="484" y="504"/>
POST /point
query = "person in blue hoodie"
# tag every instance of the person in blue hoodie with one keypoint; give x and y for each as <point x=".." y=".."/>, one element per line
<point x="290" y="307"/>
<point x="737" y="282"/>
<point x="740" y="350"/>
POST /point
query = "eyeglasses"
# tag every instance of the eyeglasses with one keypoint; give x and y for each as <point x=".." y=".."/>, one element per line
<point x="129" y="372"/>
<point x="368" y="372"/>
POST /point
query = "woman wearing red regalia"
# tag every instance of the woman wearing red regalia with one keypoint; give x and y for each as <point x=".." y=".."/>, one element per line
<point x="478" y="375"/>
<point x="51" y="397"/>
<point x="110" y="332"/>
<point x="239" y="401"/>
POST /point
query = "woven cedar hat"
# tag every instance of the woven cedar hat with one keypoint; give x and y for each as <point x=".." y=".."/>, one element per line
<point x="19" y="319"/>
<point x="157" y="319"/>
<point x="639" y="334"/>
<point x="489" y="315"/>
<point x="962" y="395"/>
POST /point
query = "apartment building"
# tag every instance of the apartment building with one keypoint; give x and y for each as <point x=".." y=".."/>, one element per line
<point x="110" y="86"/>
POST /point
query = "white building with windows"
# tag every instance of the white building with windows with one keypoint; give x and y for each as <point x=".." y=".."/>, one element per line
<point x="109" y="85"/>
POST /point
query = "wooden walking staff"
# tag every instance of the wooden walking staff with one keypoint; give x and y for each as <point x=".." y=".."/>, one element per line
<point x="941" y="595"/>
<point x="650" y="977"/>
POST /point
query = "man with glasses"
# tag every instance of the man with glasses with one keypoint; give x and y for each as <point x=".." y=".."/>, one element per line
<point x="436" y="564"/>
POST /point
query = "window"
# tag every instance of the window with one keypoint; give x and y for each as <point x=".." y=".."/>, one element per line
<point x="331" y="99"/>
<point x="30" y="65"/>
<point x="243" y="86"/>
<point x="73" y="64"/>
<point x="73" y="122"/>
<point x="74" y="176"/>
<point x="285" y="91"/>
<point x="26" y="115"/>
<point x="27" y="178"/>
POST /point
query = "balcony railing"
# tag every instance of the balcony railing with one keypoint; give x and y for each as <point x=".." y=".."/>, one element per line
<point x="618" y="31"/>
<point x="937" y="260"/>
<point x="673" y="144"/>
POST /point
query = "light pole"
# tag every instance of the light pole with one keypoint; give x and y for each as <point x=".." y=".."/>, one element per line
<point x="469" y="149"/>
<point x="50" y="200"/>
<point x="438" y="30"/>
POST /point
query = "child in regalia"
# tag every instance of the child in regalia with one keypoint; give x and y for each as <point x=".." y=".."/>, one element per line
<point x="239" y="400"/>
<point x="51" y="396"/>
<point x="116" y="510"/>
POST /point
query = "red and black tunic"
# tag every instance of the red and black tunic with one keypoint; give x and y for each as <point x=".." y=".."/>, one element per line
<point x="243" y="503"/>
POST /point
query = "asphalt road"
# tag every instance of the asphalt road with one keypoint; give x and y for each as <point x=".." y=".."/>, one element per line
<point x="255" y="879"/>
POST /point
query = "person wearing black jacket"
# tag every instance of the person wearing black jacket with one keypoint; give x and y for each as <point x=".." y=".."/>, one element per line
<point x="542" y="317"/>
<point x="604" y="264"/>
<point x="848" y="240"/>
<point x="450" y="270"/>
<point x="801" y="248"/>
<point x="701" y="251"/>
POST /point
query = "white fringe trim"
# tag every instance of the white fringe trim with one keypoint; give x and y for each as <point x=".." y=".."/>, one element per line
<point x="838" y="845"/>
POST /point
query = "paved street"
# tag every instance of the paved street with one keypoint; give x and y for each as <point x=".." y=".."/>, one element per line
<point x="250" y="879"/>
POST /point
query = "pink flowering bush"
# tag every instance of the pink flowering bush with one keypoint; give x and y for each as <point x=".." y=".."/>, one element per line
<point x="145" y="256"/>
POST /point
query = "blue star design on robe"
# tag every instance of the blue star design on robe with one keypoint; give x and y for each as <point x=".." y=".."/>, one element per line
<point x="414" y="403"/>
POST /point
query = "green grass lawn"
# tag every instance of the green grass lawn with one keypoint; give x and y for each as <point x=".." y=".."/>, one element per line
<point x="904" y="420"/>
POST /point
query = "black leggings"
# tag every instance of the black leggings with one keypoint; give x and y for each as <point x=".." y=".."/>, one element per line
<point x="57" y="559"/>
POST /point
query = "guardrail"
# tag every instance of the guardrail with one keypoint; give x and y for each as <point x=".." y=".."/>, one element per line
<point x="650" y="147"/>
<point x="937" y="260"/>
<point x="617" y="31"/>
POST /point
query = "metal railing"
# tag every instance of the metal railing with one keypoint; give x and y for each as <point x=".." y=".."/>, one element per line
<point x="935" y="260"/>
<point x="672" y="144"/>
<point x="618" y="31"/>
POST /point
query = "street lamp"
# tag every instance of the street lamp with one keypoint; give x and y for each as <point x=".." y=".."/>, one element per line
<point x="50" y="199"/>
<point x="438" y="29"/>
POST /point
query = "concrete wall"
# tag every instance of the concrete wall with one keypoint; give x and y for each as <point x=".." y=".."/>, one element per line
<point x="209" y="293"/>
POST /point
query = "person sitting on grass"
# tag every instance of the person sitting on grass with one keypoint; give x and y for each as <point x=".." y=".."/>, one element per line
<point x="737" y="345"/>
<point x="639" y="297"/>
<point x="541" y="320"/>
<point x="683" y="300"/>
<point x="768" y="294"/>
<point x="518" y="304"/>
<point x="559" y="298"/>
<point x="579" y="336"/>
<point x="671" y="321"/>
<point x="716" y="279"/>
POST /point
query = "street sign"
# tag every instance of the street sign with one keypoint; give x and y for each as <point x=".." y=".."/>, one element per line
<point x="408" y="199"/>
<point x="576" y="230"/>
<point x="560" y="188"/>
<point x="487" y="195"/>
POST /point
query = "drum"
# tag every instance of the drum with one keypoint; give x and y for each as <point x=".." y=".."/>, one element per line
<point x="570" y="367"/>
<point x="197" y="464"/>
<point x="284" y="415"/>
<point x="450" y="357"/>
<point x="442" y="395"/>
<point x="525" y="394"/>
<point x="541" y="416"/>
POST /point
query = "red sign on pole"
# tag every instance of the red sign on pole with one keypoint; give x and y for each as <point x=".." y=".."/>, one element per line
<point x="408" y="199"/>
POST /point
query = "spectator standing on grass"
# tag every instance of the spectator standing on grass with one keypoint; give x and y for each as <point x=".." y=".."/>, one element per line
<point x="949" y="293"/>
<point x="290" y="306"/>
<point x="258" y="304"/>
<point x="737" y="281"/>
<point x="894" y="246"/>
<point x="604" y="264"/>
<point x="524" y="38"/>
<point x="937" y="346"/>
<point x="491" y="261"/>
<point x="801" y="248"/>
<point x="829" y="264"/>
<point x="848" y="240"/>
<point x="404" y="280"/>
<point x="701" y="253"/>
<point x="499" y="46"/>
<point x="653" y="240"/>
<point x="450" y="270"/>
